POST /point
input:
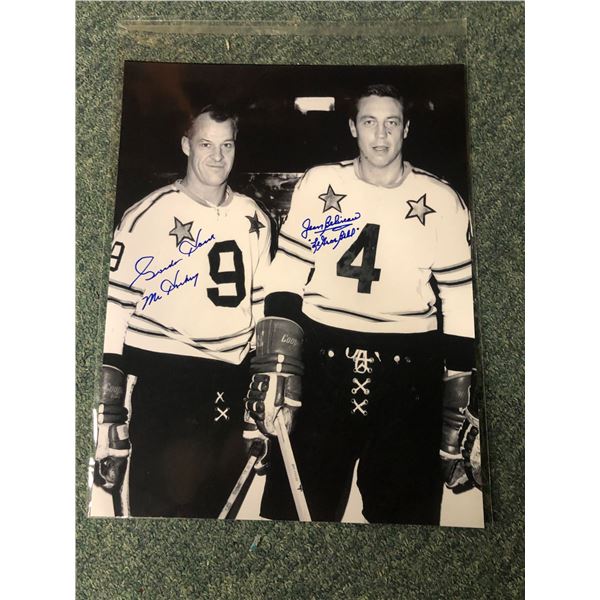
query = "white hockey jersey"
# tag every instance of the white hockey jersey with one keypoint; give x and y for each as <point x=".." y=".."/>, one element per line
<point x="186" y="278"/>
<point x="363" y="256"/>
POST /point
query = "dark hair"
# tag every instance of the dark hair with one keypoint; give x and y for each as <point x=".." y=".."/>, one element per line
<point x="377" y="89"/>
<point x="216" y="112"/>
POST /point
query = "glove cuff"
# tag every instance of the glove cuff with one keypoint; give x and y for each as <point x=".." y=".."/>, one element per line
<point x="472" y="418"/>
<point x="276" y="363"/>
<point x="291" y="323"/>
<point x="450" y="456"/>
<point x="275" y="336"/>
<point x="451" y="378"/>
<point x="457" y="392"/>
<point x="113" y="384"/>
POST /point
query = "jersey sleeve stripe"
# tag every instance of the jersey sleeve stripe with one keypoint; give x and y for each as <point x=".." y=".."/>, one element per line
<point x="125" y="288"/>
<point x="195" y="340"/>
<point x="430" y="310"/>
<point x="153" y="322"/>
<point x="145" y="332"/>
<point x="354" y="314"/>
<point x="191" y="343"/>
<point x="224" y="338"/>
<point x="450" y="277"/>
<point x="150" y="206"/>
<point x="305" y="260"/>
<point x="238" y="347"/>
<point x="231" y="349"/>
<point x="121" y="303"/>
<point x="452" y="267"/>
<point x="287" y="238"/>
<point x="459" y="282"/>
<point x="123" y="295"/>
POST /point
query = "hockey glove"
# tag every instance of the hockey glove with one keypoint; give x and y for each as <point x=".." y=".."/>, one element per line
<point x="471" y="450"/>
<point x="459" y="451"/>
<point x="112" y="445"/>
<point x="258" y="445"/>
<point x="276" y="384"/>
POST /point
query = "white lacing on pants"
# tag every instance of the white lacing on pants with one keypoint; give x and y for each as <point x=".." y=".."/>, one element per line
<point x="362" y="360"/>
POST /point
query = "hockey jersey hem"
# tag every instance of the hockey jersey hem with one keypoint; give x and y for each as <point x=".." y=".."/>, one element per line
<point x="153" y="343"/>
<point x="370" y="323"/>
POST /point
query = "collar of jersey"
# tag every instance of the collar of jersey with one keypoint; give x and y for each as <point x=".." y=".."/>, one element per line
<point x="407" y="170"/>
<point x="226" y="201"/>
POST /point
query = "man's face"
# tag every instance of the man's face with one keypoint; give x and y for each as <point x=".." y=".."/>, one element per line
<point x="379" y="129"/>
<point x="210" y="150"/>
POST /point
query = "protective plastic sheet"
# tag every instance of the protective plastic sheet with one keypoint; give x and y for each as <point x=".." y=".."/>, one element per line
<point x="295" y="100"/>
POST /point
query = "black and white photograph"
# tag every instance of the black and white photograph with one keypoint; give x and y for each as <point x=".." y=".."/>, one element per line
<point x="290" y="327"/>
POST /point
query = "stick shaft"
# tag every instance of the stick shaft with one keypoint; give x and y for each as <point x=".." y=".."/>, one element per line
<point x="121" y="497"/>
<point x="291" y="469"/>
<point x="237" y="488"/>
<point x="124" y="495"/>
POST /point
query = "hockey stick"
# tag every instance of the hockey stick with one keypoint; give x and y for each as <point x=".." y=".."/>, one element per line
<point x="237" y="488"/>
<point x="121" y="500"/>
<point x="291" y="469"/>
<point x="121" y="496"/>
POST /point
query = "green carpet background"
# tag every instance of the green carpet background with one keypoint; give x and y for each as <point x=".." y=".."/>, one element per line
<point x="177" y="558"/>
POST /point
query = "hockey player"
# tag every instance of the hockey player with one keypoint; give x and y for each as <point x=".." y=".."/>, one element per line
<point x="364" y="246"/>
<point x="185" y="291"/>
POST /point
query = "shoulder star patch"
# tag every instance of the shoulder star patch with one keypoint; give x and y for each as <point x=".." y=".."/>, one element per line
<point x="255" y="224"/>
<point x="419" y="209"/>
<point x="182" y="231"/>
<point x="331" y="199"/>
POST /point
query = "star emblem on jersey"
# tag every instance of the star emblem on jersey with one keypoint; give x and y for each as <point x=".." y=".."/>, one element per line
<point x="331" y="199"/>
<point x="419" y="209"/>
<point x="182" y="231"/>
<point x="255" y="224"/>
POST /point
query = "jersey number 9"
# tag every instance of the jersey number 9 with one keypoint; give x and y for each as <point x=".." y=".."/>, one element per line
<point x="237" y="276"/>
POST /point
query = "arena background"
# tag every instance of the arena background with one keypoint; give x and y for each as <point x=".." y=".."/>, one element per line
<point x="208" y="559"/>
<point x="277" y="141"/>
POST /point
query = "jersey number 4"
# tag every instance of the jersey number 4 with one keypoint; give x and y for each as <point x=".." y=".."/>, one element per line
<point x="366" y="273"/>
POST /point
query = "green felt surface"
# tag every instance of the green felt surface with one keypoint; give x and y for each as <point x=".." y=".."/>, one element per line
<point x="210" y="559"/>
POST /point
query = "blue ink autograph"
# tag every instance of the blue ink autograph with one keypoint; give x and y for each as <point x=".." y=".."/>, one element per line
<point x="142" y="267"/>
<point x="321" y="241"/>
<point x="343" y="225"/>
<point x="167" y="287"/>
<point x="188" y="248"/>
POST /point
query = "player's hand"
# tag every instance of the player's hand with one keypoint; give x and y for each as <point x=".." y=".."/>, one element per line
<point x="259" y="446"/>
<point x="276" y="383"/>
<point x="112" y="444"/>
<point x="471" y="450"/>
<point x="271" y="394"/>
<point x="256" y="443"/>
<point x="459" y="451"/>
